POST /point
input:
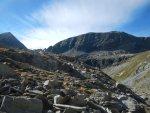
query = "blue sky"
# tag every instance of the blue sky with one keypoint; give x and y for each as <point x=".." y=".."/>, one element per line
<point x="41" y="23"/>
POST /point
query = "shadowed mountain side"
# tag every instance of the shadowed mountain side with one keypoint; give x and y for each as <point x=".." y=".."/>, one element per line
<point x="109" y="41"/>
<point x="8" y="40"/>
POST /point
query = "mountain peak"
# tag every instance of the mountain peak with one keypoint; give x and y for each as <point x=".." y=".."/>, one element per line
<point x="8" y="40"/>
<point x="7" y="33"/>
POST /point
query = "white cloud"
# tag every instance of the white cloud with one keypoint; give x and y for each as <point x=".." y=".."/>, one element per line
<point x="65" y="18"/>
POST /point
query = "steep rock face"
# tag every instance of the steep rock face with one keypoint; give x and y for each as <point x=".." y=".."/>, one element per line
<point x="8" y="40"/>
<point x="109" y="41"/>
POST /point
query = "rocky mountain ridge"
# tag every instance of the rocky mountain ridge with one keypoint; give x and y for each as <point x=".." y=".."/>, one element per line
<point x="101" y="49"/>
<point x="108" y="41"/>
<point x="8" y="40"/>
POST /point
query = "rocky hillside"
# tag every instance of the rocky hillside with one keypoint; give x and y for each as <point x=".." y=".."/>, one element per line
<point x="135" y="73"/>
<point x="109" y="41"/>
<point x="104" y="59"/>
<point x="8" y="40"/>
<point x="39" y="82"/>
<point x="101" y="49"/>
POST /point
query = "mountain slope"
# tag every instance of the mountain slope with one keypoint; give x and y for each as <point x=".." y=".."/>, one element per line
<point x="134" y="73"/>
<point x="31" y="80"/>
<point x="109" y="41"/>
<point x="8" y="40"/>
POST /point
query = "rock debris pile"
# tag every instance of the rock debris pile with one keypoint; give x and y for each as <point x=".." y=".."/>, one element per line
<point x="41" y="83"/>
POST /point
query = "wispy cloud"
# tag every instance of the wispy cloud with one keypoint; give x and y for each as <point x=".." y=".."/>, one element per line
<point x="65" y="18"/>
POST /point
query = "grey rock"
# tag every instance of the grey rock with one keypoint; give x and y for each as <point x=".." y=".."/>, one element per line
<point x="61" y="99"/>
<point x="100" y="97"/>
<point x="78" y="100"/>
<point x="58" y="111"/>
<point x="7" y="72"/>
<point x="21" y="105"/>
<point x="36" y="92"/>
<point x="8" y="89"/>
<point x="53" y="84"/>
<point x="115" y="106"/>
<point x="97" y="111"/>
<point x="133" y="106"/>
<point x="49" y="111"/>
<point x="70" y="111"/>
<point x="47" y="105"/>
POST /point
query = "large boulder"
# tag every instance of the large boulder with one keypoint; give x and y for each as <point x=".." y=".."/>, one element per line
<point x="52" y="84"/>
<point x="7" y="72"/>
<point x="100" y="97"/>
<point x="78" y="100"/>
<point x="133" y="106"/>
<point x="21" y="105"/>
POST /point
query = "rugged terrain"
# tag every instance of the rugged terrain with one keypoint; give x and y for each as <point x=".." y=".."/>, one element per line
<point x="37" y="81"/>
<point x="102" y="49"/>
<point x="135" y="73"/>
<point x="60" y="85"/>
